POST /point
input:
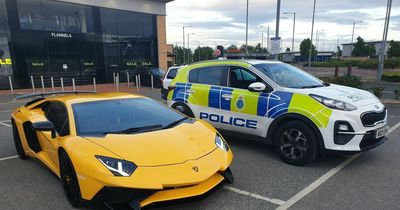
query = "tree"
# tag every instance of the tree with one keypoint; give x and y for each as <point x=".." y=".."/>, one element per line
<point x="251" y="49"/>
<point x="394" y="50"/>
<point x="361" y="49"/>
<point x="232" y="47"/>
<point x="371" y="50"/>
<point x="179" y="55"/>
<point x="203" y="53"/>
<point x="305" y="48"/>
<point x="288" y="49"/>
<point x="339" y="52"/>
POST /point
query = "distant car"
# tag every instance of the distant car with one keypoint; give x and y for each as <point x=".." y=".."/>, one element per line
<point x="169" y="76"/>
<point x="281" y="105"/>
<point x="145" y="77"/>
<point x="119" y="150"/>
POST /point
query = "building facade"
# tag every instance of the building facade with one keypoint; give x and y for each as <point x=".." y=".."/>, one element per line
<point x="79" y="39"/>
<point x="348" y="48"/>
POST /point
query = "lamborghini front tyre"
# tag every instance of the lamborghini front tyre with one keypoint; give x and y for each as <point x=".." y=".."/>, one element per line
<point x="17" y="142"/>
<point x="69" y="180"/>
<point x="296" y="143"/>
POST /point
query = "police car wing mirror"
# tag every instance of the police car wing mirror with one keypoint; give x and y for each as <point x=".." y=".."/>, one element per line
<point x="257" y="87"/>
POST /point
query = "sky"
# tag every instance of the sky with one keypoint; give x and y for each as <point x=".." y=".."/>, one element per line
<point x="222" y="22"/>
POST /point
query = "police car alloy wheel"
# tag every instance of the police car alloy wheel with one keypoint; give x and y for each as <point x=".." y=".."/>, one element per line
<point x="296" y="143"/>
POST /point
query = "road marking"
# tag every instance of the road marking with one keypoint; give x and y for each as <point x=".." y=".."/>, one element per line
<point x="256" y="196"/>
<point x="5" y="124"/>
<point x="393" y="128"/>
<point x="316" y="183"/>
<point x="2" y="111"/>
<point x="8" y="158"/>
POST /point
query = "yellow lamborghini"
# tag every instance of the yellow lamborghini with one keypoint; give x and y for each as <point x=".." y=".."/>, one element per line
<point x="121" y="151"/>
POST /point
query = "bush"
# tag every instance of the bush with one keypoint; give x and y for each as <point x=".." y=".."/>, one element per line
<point x="396" y="94"/>
<point x="391" y="76"/>
<point x="377" y="91"/>
<point x="346" y="80"/>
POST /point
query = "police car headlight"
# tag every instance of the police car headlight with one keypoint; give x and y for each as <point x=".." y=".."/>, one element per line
<point x="334" y="104"/>
<point x="221" y="143"/>
<point x="116" y="166"/>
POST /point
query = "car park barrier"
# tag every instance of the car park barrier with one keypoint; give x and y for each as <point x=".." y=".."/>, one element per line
<point x="140" y="82"/>
<point x="52" y="83"/>
<point x="117" y="82"/>
<point x="11" y="84"/>
<point x="41" y="80"/>
<point x="62" y="84"/>
<point x="114" y="77"/>
<point x="94" y="84"/>
<point x="137" y="83"/>
<point x="127" y="78"/>
<point x="33" y="84"/>
<point x="152" y="81"/>
<point x="73" y="84"/>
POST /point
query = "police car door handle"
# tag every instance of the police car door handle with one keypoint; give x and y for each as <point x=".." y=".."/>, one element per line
<point x="190" y="91"/>
<point x="227" y="96"/>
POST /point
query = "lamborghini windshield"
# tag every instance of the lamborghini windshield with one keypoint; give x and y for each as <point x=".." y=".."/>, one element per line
<point x="123" y="116"/>
<point x="289" y="76"/>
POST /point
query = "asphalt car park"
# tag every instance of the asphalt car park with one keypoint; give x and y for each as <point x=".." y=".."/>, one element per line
<point x="369" y="180"/>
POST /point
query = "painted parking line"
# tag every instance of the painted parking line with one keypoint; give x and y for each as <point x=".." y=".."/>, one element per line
<point x="5" y="124"/>
<point x="6" y="111"/>
<point x="8" y="158"/>
<point x="316" y="183"/>
<point x="393" y="128"/>
<point x="253" y="195"/>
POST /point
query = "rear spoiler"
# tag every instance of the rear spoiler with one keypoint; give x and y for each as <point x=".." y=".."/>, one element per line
<point x="42" y="95"/>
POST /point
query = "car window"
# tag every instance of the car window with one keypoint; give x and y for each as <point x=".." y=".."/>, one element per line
<point x="99" y="117"/>
<point x="215" y="75"/>
<point x="289" y="76"/>
<point x="172" y="73"/>
<point x="242" y="78"/>
<point x="57" y="114"/>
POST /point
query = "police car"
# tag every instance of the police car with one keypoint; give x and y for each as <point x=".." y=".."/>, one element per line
<point x="280" y="104"/>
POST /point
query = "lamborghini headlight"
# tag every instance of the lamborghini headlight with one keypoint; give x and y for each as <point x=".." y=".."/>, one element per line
<point x="219" y="141"/>
<point x="116" y="166"/>
<point x="334" y="104"/>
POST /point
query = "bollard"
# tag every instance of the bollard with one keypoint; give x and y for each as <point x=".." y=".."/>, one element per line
<point x="349" y="68"/>
<point x="73" y="84"/>
<point x="152" y="82"/>
<point x="33" y="84"/>
<point x="137" y="83"/>
<point x="62" y="84"/>
<point x="11" y="85"/>
<point x="114" y="77"/>
<point x="117" y="82"/>
<point x="94" y="84"/>
<point x="52" y="83"/>
<point x="140" y="83"/>
<point x="336" y="70"/>
<point x="41" y="79"/>
<point x="127" y="78"/>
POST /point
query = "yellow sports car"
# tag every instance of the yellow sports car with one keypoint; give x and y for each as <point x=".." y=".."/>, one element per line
<point x="121" y="151"/>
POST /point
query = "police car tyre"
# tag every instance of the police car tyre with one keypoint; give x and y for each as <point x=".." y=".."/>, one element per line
<point x="296" y="143"/>
<point x="184" y="109"/>
<point x="17" y="142"/>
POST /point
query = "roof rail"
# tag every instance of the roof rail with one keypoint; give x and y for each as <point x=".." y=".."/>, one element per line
<point x="42" y="95"/>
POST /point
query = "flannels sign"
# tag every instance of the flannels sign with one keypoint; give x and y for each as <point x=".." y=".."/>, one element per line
<point x="61" y="35"/>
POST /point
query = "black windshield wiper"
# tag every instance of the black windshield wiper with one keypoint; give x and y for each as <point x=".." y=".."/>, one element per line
<point x="175" y="123"/>
<point x="312" y="86"/>
<point x="134" y="130"/>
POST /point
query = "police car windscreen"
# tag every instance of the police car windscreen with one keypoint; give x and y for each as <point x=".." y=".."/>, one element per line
<point x="288" y="76"/>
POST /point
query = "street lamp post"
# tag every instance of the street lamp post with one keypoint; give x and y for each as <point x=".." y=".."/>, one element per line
<point x="384" y="40"/>
<point x="247" y="27"/>
<point x="278" y="16"/>
<point x="312" y="34"/>
<point x="184" y="56"/>
<point x="354" y="26"/>
<point x="188" y="46"/>
<point x="294" y="28"/>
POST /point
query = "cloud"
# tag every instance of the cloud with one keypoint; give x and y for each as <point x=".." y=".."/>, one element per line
<point x="223" y="21"/>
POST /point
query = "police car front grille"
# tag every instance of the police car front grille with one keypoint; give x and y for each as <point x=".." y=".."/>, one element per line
<point x="370" y="119"/>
